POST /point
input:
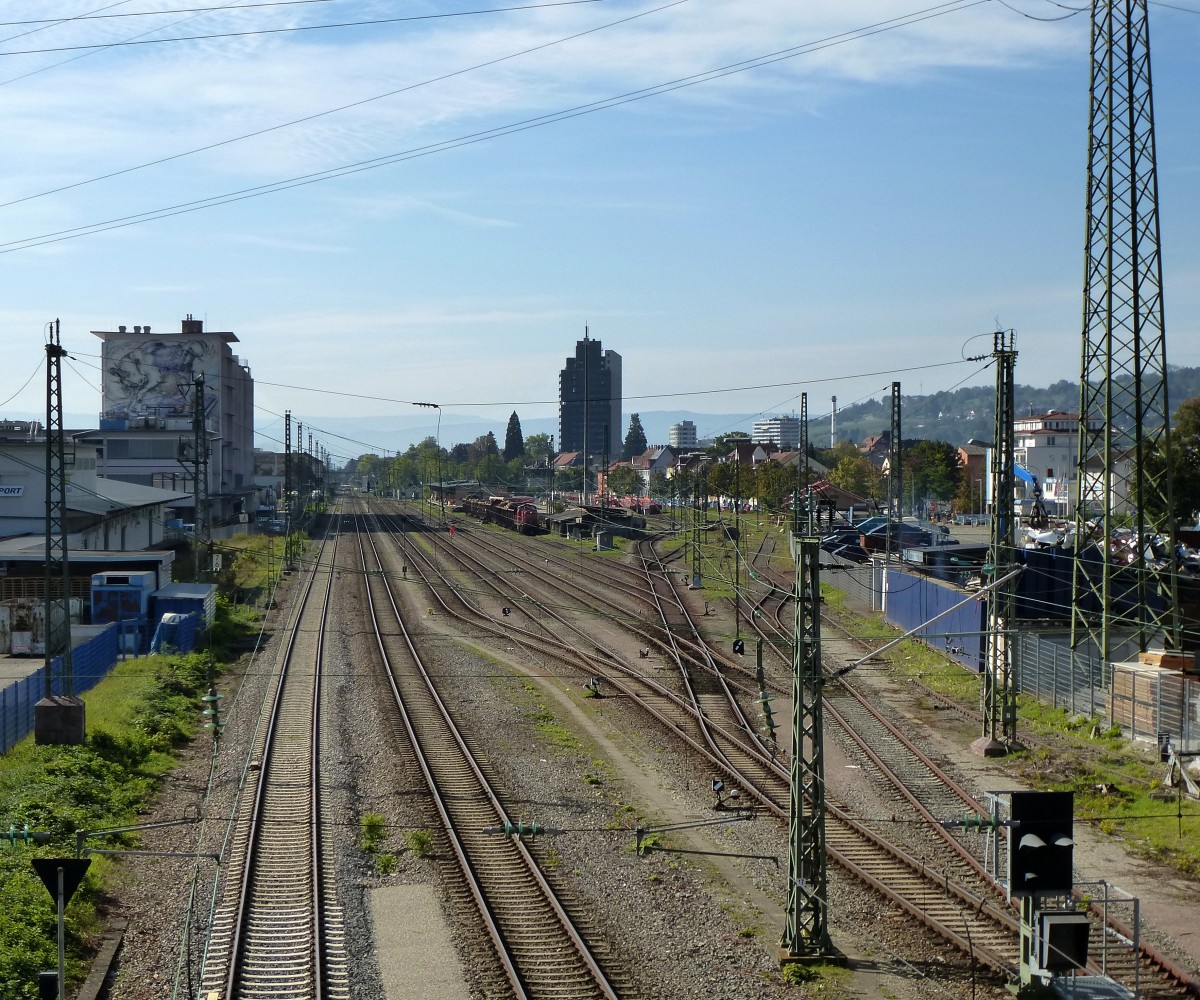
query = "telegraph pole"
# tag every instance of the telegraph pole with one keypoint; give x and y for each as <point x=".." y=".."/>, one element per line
<point x="895" y="471"/>
<point x="287" y="487"/>
<point x="202" y="542"/>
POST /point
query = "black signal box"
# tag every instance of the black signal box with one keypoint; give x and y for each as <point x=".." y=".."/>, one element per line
<point x="1041" y="844"/>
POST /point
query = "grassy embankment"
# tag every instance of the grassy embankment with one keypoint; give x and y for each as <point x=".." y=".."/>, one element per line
<point x="137" y="719"/>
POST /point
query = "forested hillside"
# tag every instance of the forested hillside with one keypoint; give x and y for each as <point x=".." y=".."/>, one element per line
<point x="965" y="414"/>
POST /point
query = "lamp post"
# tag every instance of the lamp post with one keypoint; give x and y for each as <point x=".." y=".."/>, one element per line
<point x="979" y="494"/>
<point x="438" y="442"/>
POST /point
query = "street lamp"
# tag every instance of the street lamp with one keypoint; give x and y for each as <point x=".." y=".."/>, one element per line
<point x="979" y="493"/>
<point x="438" y="441"/>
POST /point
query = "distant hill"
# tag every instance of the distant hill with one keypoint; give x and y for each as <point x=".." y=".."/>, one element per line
<point x="970" y="413"/>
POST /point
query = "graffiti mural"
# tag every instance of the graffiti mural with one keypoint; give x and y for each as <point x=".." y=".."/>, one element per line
<point x="154" y="377"/>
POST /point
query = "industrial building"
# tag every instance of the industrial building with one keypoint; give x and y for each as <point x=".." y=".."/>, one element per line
<point x="147" y="424"/>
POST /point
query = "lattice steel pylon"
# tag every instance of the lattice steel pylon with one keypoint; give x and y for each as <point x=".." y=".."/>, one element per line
<point x="1124" y="416"/>
<point x="802" y="522"/>
<point x="895" y="509"/>
<point x="806" y="935"/>
<point x="58" y="572"/>
<point x="998" y="693"/>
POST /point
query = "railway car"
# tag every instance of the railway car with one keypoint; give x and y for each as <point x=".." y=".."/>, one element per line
<point x="518" y="514"/>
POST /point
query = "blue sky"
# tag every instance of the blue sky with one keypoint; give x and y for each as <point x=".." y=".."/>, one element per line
<point x="827" y="220"/>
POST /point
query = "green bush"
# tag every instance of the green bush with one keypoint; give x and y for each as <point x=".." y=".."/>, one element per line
<point x="420" y="842"/>
<point x="371" y="828"/>
<point x="135" y="716"/>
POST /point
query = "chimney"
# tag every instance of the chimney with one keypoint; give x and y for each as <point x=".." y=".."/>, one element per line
<point x="137" y="329"/>
<point x="120" y="329"/>
<point x="193" y="325"/>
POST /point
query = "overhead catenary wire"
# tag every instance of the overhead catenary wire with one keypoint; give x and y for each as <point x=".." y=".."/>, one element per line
<point x="97" y="15"/>
<point x="340" y="108"/>
<point x="537" y="121"/>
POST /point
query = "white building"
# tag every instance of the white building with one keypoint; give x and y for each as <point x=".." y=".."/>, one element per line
<point x="146" y="426"/>
<point x="1047" y="446"/>
<point x="101" y="514"/>
<point x="783" y="431"/>
<point x="682" y="435"/>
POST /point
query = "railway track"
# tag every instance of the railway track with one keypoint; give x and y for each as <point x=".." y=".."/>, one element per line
<point x="715" y="725"/>
<point x="542" y="948"/>
<point x="707" y="717"/>
<point x="936" y="795"/>
<point x="277" y="930"/>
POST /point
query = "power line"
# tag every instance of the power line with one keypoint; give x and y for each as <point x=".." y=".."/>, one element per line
<point x="282" y="31"/>
<point x="344" y="107"/>
<point x="604" y="104"/>
<point x="551" y="402"/>
<point x="97" y="16"/>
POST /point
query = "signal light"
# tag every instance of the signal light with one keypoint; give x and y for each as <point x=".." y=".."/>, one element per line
<point x="739" y="647"/>
<point x="1041" y="844"/>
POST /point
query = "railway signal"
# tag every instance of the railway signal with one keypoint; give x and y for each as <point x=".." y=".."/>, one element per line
<point x="61" y="877"/>
<point x="1041" y="843"/>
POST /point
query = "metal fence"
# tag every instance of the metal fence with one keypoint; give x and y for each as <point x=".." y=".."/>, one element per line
<point x="1147" y="703"/>
<point x="90" y="663"/>
<point x="1050" y="671"/>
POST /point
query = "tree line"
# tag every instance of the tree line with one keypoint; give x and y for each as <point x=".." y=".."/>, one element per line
<point x="932" y="469"/>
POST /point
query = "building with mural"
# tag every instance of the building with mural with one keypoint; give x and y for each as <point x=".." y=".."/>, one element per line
<point x="147" y="423"/>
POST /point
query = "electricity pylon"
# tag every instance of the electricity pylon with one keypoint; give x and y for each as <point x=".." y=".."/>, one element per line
<point x="1124" y="419"/>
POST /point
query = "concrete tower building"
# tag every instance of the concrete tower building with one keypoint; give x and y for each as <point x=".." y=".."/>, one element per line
<point x="589" y="401"/>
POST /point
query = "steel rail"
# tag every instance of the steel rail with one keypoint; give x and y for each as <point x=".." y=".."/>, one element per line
<point x="514" y="957"/>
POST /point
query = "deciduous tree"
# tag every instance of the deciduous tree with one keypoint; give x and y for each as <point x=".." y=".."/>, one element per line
<point x="624" y="481"/>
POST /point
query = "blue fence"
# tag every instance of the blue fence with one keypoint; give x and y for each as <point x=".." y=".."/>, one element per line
<point x="913" y="600"/>
<point x="90" y="663"/>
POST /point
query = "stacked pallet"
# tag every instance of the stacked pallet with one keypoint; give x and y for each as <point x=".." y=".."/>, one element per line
<point x="1147" y="699"/>
<point x="1168" y="661"/>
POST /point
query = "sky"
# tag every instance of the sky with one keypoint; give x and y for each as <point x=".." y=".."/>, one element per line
<point x="869" y="192"/>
